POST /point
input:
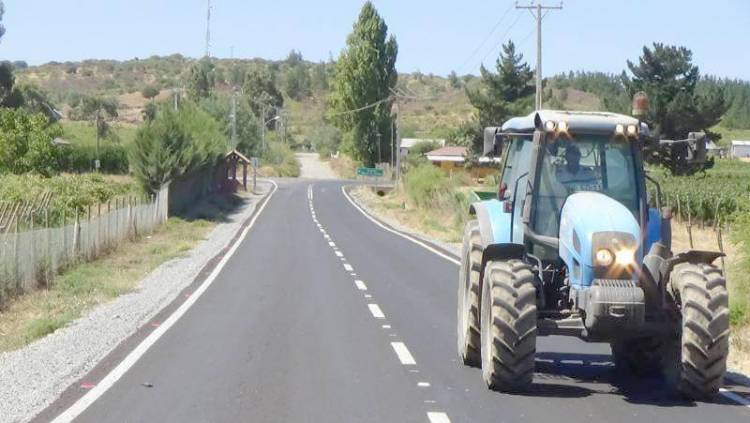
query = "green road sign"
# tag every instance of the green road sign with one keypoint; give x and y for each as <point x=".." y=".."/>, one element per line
<point x="369" y="171"/>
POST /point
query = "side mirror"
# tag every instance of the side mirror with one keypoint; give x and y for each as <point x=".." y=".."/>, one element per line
<point x="493" y="141"/>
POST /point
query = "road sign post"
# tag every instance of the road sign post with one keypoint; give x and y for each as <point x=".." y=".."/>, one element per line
<point x="254" y="162"/>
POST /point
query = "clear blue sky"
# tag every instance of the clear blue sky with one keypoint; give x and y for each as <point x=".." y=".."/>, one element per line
<point x="434" y="36"/>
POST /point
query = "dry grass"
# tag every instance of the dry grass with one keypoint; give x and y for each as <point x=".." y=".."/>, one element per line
<point x="394" y="208"/>
<point x="87" y="285"/>
<point x="344" y="166"/>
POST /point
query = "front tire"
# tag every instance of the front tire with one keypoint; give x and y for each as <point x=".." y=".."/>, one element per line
<point x="508" y="325"/>
<point x="700" y="363"/>
<point x="468" y="296"/>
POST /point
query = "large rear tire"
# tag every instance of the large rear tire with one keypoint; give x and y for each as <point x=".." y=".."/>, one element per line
<point x="508" y="325"/>
<point x="468" y="296"/>
<point x="700" y="363"/>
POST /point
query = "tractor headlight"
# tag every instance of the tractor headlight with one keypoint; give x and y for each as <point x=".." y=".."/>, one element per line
<point x="604" y="257"/>
<point x="625" y="257"/>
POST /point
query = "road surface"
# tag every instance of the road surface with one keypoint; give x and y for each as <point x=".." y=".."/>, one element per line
<point x="323" y="316"/>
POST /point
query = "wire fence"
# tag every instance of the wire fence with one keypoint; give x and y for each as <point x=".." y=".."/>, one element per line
<point x="34" y="248"/>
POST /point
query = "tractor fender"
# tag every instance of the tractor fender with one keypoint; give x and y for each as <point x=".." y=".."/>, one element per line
<point x="495" y="233"/>
<point x="494" y="224"/>
<point x="691" y="256"/>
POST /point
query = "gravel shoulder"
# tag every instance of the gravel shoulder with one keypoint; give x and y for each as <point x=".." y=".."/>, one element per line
<point x="34" y="376"/>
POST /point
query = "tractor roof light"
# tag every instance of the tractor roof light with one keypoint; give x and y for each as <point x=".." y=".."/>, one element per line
<point x="620" y="129"/>
<point x="562" y="126"/>
<point x="550" y="126"/>
<point x="632" y="130"/>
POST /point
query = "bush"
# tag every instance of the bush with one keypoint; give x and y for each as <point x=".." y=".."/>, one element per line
<point x="80" y="158"/>
<point x="281" y="158"/>
<point x="26" y="143"/>
<point x="430" y="190"/>
<point x="175" y="143"/>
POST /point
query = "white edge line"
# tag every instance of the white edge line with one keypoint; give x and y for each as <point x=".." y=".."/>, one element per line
<point x="115" y="374"/>
<point x="735" y="397"/>
<point x="402" y="235"/>
<point x="403" y="354"/>
<point x="438" y="417"/>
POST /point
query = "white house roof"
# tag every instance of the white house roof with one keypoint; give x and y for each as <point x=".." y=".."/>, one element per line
<point x="411" y="142"/>
<point x="740" y="143"/>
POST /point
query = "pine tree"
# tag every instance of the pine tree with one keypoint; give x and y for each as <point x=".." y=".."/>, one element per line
<point x="505" y="93"/>
<point x="364" y="75"/>
<point x="668" y="76"/>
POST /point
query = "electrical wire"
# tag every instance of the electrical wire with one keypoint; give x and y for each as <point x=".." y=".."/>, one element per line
<point x="369" y="106"/>
<point x="484" y="41"/>
<point x="518" y="17"/>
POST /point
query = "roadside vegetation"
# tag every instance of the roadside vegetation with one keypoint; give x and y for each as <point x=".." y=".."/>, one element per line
<point x="84" y="286"/>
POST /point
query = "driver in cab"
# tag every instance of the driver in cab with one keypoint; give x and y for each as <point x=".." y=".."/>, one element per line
<point x="574" y="176"/>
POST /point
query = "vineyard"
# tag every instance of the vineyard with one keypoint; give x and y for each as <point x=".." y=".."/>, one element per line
<point x="720" y="195"/>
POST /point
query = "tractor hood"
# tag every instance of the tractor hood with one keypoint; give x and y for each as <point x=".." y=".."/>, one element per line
<point x="599" y="239"/>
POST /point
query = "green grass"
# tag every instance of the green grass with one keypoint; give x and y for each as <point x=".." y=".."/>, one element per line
<point x="83" y="286"/>
<point x="82" y="133"/>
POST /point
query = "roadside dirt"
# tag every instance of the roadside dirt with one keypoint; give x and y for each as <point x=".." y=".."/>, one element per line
<point x="311" y="167"/>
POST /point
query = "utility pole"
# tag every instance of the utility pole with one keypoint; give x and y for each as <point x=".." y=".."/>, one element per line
<point x="208" y="30"/>
<point x="97" y="162"/>
<point x="539" y="17"/>
<point x="234" y="119"/>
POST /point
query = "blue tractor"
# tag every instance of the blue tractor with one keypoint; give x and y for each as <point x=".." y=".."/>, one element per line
<point x="570" y="246"/>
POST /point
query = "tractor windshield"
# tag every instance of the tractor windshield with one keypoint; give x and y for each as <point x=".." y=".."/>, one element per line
<point x="583" y="163"/>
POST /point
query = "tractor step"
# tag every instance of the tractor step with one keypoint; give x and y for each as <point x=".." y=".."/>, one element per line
<point x="568" y="326"/>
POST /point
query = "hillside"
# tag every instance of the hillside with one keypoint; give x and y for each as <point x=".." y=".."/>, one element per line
<point x="432" y="107"/>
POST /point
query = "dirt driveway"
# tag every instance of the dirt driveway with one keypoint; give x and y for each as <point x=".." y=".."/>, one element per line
<point x="314" y="168"/>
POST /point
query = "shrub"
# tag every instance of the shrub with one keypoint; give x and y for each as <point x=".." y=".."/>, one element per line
<point x="281" y="158"/>
<point x="26" y="143"/>
<point x="174" y="143"/>
<point x="80" y="158"/>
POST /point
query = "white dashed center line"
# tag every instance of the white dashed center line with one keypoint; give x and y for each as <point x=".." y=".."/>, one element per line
<point x="348" y="267"/>
<point x="438" y="417"/>
<point x="423" y="384"/>
<point x="403" y="354"/>
<point x="376" y="311"/>
<point x="360" y="285"/>
<point x="339" y="253"/>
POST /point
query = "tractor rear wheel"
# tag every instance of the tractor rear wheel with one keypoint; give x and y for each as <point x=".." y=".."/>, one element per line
<point x="468" y="296"/>
<point x="700" y="363"/>
<point x="508" y="331"/>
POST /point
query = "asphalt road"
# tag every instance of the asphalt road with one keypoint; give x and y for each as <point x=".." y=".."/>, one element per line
<point x="322" y="316"/>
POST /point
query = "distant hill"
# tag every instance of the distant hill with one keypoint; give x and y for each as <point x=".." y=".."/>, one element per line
<point x="432" y="107"/>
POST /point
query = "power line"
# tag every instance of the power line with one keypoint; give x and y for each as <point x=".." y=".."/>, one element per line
<point x="479" y="47"/>
<point x="369" y="106"/>
<point x="539" y="17"/>
<point x="502" y="39"/>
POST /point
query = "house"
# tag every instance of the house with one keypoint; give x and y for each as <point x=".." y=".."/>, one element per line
<point x="408" y="143"/>
<point x="454" y="158"/>
<point x="740" y="149"/>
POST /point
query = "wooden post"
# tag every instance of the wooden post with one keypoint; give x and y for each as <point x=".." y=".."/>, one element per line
<point x="16" y="253"/>
<point x="88" y="231"/>
<point x="679" y="208"/>
<point x="703" y="220"/>
<point x="33" y="246"/>
<point x="48" y="249"/>
<point x="720" y="242"/>
<point x="75" y="247"/>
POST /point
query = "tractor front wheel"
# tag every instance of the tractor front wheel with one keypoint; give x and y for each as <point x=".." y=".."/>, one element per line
<point x="468" y="296"/>
<point x="699" y="365"/>
<point x="508" y="325"/>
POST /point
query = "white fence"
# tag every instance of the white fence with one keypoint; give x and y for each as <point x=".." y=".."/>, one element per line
<point x="30" y="257"/>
